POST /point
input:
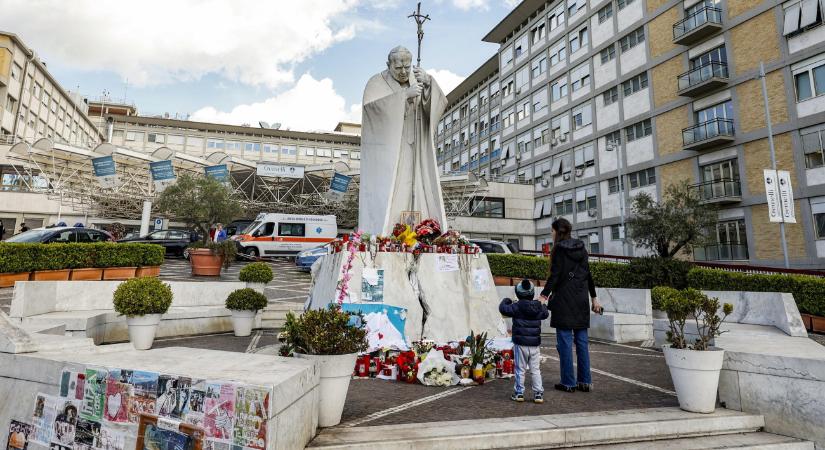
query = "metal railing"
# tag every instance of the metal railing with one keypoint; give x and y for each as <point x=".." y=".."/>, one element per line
<point x="708" y="130"/>
<point x="719" y="189"/>
<point x="703" y="73"/>
<point x="721" y="252"/>
<point x="705" y="15"/>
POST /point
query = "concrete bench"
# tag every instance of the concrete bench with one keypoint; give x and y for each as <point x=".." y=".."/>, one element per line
<point x="85" y="308"/>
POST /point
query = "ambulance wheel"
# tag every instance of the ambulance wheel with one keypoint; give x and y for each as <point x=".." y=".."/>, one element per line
<point x="252" y="252"/>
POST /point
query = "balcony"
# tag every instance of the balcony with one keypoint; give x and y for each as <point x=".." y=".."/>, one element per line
<point x="722" y="191"/>
<point x="708" y="134"/>
<point x="703" y="79"/>
<point x="697" y="26"/>
<point x="721" y="252"/>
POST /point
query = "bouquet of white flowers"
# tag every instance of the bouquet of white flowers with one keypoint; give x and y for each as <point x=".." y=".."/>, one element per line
<point x="434" y="370"/>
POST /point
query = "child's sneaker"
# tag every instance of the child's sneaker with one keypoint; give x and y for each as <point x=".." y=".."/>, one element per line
<point x="538" y="398"/>
<point x="517" y="397"/>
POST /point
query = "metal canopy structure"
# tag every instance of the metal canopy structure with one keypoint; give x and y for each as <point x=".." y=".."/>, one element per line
<point x="66" y="173"/>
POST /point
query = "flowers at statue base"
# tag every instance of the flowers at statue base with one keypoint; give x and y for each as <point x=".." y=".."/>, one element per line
<point x="438" y="377"/>
<point x="427" y="231"/>
<point x="452" y="237"/>
<point x="353" y="244"/>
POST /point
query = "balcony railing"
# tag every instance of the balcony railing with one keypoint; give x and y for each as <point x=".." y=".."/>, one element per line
<point x="724" y="190"/>
<point x="707" y="134"/>
<point x="697" y="26"/>
<point x="702" y="79"/>
<point x="721" y="252"/>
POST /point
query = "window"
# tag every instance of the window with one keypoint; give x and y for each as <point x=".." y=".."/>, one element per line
<point x="578" y="39"/>
<point x="564" y="204"/>
<point x="193" y="142"/>
<point x="16" y="70"/>
<point x="819" y="222"/>
<point x="608" y="53"/>
<point x="340" y="154"/>
<point x="539" y="66"/>
<point x="613" y="185"/>
<point x="523" y="144"/>
<point x="559" y="89"/>
<point x="610" y="96"/>
<point x="642" y="178"/>
<point x="558" y="53"/>
<point x="509" y="117"/>
<point x="556" y="18"/>
<point x="507" y="56"/>
<point x="521" y="45"/>
<point x="574" y="6"/>
<point x="616" y="232"/>
<point x="134" y="136"/>
<point x="580" y="76"/>
<point x="10" y="103"/>
<point x="802" y="16"/>
<point x="289" y="150"/>
<point x="638" y="130"/>
<point x="291" y="229"/>
<point x="156" y="138"/>
<point x="586" y="199"/>
<point x="523" y="111"/>
<point x="507" y="89"/>
<point x="632" y="39"/>
<point x="635" y="84"/>
<point x="307" y="151"/>
<point x="537" y="34"/>
<point x="540" y="100"/>
<point x="813" y="144"/>
<point x="722" y="110"/>
<point x="324" y="152"/>
<point x="613" y="139"/>
<point x="810" y="82"/>
<point x="624" y="3"/>
<point x="582" y="116"/>
<point x="606" y="12"/>
<point x="559" y="127"/>
<point x="37" y="91"/>
<point x="355" y="155"/>
<point x="522" y="79"/>
<point x="487" y="207"/>
<point x="731" y="242"/>
<point x="583" y="157"/>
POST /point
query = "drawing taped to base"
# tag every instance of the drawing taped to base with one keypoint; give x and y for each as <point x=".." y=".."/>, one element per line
<point x="285" y="234"/>
<point x="384" y="324"/>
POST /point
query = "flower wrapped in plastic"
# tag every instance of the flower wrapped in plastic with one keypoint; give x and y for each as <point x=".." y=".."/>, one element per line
<point x="398" y="229"/>
<point x="434" y="370"/>
<point x="407" y="237"/>
<point x="428" y="230"/>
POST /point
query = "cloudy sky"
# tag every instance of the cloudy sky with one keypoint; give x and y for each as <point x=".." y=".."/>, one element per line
<point x="302" y="63"/>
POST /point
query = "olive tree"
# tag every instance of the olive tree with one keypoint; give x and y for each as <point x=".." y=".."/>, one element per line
<point x="200" y="202"/>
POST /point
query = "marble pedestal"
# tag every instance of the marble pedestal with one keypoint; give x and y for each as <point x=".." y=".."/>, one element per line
<point x="442" y="306"/>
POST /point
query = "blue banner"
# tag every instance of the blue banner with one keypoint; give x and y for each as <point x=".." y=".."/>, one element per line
<point x="219" y="172"/>
<point x="104" y="166"/>
<point x="339" y="183"/>
<point x="162" y="170"/>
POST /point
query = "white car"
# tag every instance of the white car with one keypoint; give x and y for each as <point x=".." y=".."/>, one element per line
<point x="489" y="246"/>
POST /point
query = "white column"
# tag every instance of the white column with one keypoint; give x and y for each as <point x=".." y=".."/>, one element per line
<point x="145" y="217"/>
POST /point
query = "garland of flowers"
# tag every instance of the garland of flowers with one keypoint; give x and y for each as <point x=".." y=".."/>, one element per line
<point x="352" y="247"/>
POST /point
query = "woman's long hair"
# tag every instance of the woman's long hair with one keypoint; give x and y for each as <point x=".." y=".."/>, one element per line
<point x="563" y="228"/>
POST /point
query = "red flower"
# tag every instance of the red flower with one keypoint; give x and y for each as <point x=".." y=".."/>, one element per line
<point x="398" y="229"/>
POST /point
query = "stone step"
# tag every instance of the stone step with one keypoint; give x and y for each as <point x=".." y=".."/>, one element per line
<point x="549" y="431"/>
<point x="740" y="441"/>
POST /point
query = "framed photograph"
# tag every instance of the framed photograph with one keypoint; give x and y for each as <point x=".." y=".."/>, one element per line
<point x="411" y="218"/>
<point x="167" y="434"/>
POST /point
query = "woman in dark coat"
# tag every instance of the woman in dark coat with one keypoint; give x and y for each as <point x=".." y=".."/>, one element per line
<point x="570" y="283"/>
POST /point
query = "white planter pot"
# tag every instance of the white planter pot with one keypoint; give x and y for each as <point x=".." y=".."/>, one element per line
<point x="257" y="286"/>
<point x="695" y="376"/>
<point x="243" y="321"/>
<point x="336" y="371"/>
<point x="142" y="330"/>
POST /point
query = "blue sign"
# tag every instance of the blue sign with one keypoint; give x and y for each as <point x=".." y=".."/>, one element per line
<point x="219" y="172"/>
<point x="104" y="166"/>
<point x="162" y="170"/>
<point x="339" y="183"/>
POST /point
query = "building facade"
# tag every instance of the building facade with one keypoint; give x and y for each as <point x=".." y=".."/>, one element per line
<point x="661" y="91"/>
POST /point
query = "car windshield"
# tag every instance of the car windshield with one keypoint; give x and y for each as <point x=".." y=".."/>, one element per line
<point x="251" y="227"/>
<point x="30" y="236"/>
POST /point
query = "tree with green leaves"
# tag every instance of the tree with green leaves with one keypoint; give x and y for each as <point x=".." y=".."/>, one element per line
<point x="677" y="223"/>
<point x="200" y="202"/>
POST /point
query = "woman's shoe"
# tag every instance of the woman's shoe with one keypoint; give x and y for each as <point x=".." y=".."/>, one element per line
<point x="561" y="387"/>
<point x="584" y="387"/>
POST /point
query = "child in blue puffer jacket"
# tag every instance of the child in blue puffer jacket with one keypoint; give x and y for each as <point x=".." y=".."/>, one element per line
<point x="527" y="314"/>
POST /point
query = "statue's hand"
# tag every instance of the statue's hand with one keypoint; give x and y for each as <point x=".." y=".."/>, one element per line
<point x="414" y="90"/>
<point x="422" y="77"/>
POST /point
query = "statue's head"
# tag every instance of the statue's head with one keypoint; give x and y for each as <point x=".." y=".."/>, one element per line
<point x="399" y="62"/>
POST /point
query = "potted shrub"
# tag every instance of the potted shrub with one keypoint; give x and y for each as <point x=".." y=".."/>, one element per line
<point x="256" y="275"/>
<point x="16" y="263"/>
<point x="244" y="305"/>
<point x="118" y="261"/>
<point x="695" y="367"/>
<point x="142" y="301"/>
<point x="208" y="259"/>
<point x="328" y="338"/>
<point x="657" y="295"/>
<point x="152" y="258"/>
<point x="52" y="262"/>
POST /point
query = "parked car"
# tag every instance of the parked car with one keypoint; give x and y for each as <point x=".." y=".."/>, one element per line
<point x="175" y="241"/>
<point x="236" y="227"/>
<point x="489" y="246"/>
<point x="62" y="235"/>
<point x="305" y="259"/>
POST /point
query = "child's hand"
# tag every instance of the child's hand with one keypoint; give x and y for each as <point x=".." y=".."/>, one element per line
<point x="543" y="298"/>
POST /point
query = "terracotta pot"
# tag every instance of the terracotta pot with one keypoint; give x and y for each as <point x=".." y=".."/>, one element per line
<point x="86" y="274"/>
<point x="205" y="263"/>
<point x="502" y="281"/>
<point x="818" y="324"/>
<point x="51" y="275"/>
<point x="119" y="273"/>
<point x="806" y="320"/>
<point x="8" y="279"/>
<point x="149" y="271"/>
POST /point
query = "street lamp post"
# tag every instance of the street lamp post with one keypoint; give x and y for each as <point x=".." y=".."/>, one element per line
<point x="612" y="146"/>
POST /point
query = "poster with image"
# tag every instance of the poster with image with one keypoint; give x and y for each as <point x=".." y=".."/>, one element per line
<point x="157" y="438"/>
<point x="43" y="417"/>
<point x="446" y="263"/>
<point x="213" y="444"/>
<point x="86" y="435"/>
<point x="19" y="434"/>
<point x="94" y="394"/>
<point x="111" y="439"/>
<point x="219" y="410"/>
<point x="251" y="413"/>
<point x="144" y="394"/>
<point x="172" y="396"/>
<point x="118" y="396"/>
<point x="64" y="423"/>
<point x="54" y="446"/>
<point x="71" y="384"/>
<point x="193" y="412"/>
<point x="372" y="285"/>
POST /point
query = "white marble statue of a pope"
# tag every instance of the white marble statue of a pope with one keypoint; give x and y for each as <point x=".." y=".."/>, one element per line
<point x="399" y="171"/>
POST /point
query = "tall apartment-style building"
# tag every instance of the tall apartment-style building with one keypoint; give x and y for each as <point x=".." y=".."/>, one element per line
<point x="661" y="91"/>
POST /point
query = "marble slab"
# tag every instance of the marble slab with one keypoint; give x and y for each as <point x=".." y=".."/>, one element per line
<point x="763" y="308"/>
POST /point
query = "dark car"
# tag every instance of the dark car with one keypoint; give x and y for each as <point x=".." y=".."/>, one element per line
<point x="236" y="227"/>
<point x="62" y="235"/>
<point x="175" y="241"/>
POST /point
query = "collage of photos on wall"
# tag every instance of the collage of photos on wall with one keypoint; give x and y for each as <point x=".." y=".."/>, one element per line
<point x="99" y="409"/>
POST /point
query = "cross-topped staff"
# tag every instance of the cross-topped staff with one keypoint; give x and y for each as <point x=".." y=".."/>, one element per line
<point x="419" y="20"/>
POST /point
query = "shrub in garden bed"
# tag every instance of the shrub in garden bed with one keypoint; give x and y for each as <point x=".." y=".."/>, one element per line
<point x="659" y="294"/>
<point x="16" y="258"/>
<point x="257" y="272"/>
<point x="246" y="299"/>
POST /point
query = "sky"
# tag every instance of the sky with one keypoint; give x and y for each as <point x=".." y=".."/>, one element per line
<point x="300" y="63"/>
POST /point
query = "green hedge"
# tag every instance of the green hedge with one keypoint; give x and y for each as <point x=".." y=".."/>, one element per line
<point x="808" y="291"/>
<point x="538" y="268"/>
<point x="15" y="258"/>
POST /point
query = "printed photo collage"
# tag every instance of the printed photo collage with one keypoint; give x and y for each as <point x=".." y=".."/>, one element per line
<point x="97" y="408"/>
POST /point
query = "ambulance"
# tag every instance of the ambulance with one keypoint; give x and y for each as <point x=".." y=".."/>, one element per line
<point x="285" y="234"/>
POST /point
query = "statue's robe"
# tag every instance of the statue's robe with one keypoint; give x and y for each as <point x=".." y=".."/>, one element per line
<point x="398" y="155"/>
